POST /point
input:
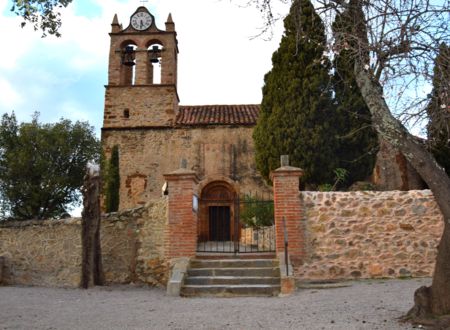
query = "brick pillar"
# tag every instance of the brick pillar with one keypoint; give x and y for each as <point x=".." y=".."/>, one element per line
<point x="181" y="230"/>
<point x="287" y="205"/>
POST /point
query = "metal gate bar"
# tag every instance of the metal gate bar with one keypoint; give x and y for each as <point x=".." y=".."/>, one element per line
<point x="245" y="226"/>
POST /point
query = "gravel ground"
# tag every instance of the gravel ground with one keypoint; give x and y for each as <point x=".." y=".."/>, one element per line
<point x="361" y="305"/>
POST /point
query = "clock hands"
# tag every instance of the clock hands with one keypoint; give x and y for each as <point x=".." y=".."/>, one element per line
<point x="141" y="21"/>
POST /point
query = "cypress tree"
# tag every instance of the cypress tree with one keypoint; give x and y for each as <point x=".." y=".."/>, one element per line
<point x="113" y="182"/>
<point x="438" y="128"/>
<point x="357" y="140"/>
<point x="296" y="110"/>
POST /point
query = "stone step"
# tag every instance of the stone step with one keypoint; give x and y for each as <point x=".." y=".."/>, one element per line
<point x="232" y="277"/>
<point x="237" y="272"/>
<point x="230" y="290"/>
<point x="224" y="256"/>
<point x="234" y="263"/>
<point x="231" y="280"/>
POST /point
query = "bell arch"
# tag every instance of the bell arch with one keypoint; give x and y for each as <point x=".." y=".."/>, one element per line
<point x="154" y="50"/>
<point x="128" y="62"/>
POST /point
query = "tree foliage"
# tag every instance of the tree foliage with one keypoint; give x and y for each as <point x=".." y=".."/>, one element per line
<point x="321" y="122"/>
<point x="296" y="110"/>
<point x="112" y="197"/>
<point x="438" y="110"/>
<point x="393" y="61"/>
<point x="42" y="166"/>
<point x="44" y="15"/>
<point x="256" y="213"/>
<point x="357" y="139"/>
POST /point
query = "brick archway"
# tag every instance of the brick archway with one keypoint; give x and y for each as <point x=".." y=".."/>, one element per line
<point x="217" y="212"/>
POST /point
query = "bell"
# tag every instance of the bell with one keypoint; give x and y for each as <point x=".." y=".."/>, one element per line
<point x="154" y="54"/>
<point x="128" y="56"/>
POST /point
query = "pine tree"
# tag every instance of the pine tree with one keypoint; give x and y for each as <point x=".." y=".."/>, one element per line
<point x="113" y="182"/>
<point x="357" y="139"/>
<point x="296" y="110"/>
<point x="438" y="110"/>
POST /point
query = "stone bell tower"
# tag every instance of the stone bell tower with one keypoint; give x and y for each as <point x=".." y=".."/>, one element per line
<point x="142" y="74"/>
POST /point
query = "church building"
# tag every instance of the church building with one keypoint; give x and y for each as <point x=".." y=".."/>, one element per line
<point x="154" y="133"/>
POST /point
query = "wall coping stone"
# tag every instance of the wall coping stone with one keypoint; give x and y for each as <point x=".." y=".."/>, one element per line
<point x="43" y="223"/>
<point x="371" y="193"/>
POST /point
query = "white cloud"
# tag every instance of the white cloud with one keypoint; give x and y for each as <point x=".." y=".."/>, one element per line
<point x="218" y="63"/>
<point x="74" y="110"/>
<point x="9" y="98"/>
<point x="16" y="41"/>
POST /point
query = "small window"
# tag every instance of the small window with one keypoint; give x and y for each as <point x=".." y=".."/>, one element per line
<point x="126" y="113"/>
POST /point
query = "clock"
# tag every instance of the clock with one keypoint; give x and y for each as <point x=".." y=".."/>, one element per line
<point x="141" y="21"/>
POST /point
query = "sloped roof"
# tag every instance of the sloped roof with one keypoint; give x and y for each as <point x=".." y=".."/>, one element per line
<point x="199" y="115"/>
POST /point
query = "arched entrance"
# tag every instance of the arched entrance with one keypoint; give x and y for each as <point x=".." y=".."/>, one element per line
<point x="217" y="228"/>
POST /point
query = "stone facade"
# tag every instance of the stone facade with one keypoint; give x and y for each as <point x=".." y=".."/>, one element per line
<point x="48" y="253"/>
<point x="146" y="155"/>
<point x="369" y="234"/>
<point x="124" y="104"/>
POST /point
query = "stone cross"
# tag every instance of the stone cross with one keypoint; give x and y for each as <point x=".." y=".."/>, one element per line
<point x="284" y="160"/>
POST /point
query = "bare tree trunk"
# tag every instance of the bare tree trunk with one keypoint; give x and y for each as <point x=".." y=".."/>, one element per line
<point x="91" y="267"/>
<point x="392" y="131"/>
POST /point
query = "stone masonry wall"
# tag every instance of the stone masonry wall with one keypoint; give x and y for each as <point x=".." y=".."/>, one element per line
<point x="370" y="234"/>
<point x="42" y="253"/>
<point x="48" y="253"/>
<point x="132" y="244"/>
<point x="146" y="155"/>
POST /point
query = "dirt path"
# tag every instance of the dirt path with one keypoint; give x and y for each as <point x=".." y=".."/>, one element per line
<point x="362" y="305"/>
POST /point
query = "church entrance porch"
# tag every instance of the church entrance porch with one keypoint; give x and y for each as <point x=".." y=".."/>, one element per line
<point x="229" y="224"/>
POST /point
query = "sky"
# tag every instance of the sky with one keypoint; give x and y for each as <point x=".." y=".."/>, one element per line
<point x="219" y="61"/>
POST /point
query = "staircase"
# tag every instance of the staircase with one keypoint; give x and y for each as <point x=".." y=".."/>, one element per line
<point x="232" y="278"/>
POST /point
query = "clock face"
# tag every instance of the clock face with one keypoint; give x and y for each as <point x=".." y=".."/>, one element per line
<point x="141" y="21"/>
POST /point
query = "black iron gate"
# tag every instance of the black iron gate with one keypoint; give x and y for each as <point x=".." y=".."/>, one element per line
<point x="245" y="225"/>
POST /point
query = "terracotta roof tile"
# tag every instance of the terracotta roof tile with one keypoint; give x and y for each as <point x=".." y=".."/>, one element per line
<point x="197" y="115"/>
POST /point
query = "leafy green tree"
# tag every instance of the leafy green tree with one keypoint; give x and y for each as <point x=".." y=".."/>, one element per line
<point x="438" y="127"/>
<point x="256" y="213"/>
<point x="44" y="15"/>
<point x="357" y="139"/>
<point x="42" y="166"/>
<point x="112" y="197"/>
<point x="296" y="110"/>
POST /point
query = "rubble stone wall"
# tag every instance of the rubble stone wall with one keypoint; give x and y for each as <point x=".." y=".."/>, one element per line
<point x="369" y="234"/>
<point x="42" y="253"/>
<point x="48" y="253"/>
